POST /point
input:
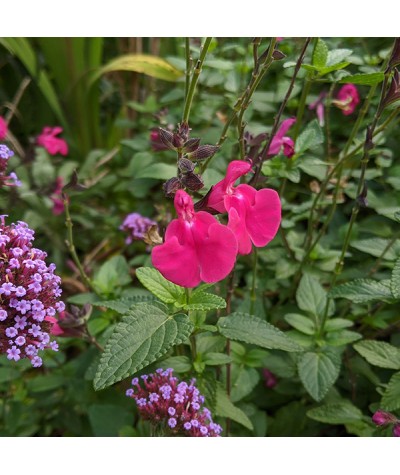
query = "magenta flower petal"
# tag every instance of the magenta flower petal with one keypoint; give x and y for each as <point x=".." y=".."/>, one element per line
<point x="54" y="145"/>
<point x="197" y="247"/>
<point x="347" y="99"/>
<point x="280" y="139"/>
<point x="3" y="128"/>
<point x="254" y="216"/>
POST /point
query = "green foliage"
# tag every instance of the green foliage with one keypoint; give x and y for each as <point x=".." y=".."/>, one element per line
<point x="159" y="286"/>
<point x="251" y="329"/>
<point x="144" y="335"/>
<point x="391" y="396"/>
<point x="318" y="371"/>
<point x="379" y="353"/>
<point x="363" y="290"/>
<point x="336" y="413"/>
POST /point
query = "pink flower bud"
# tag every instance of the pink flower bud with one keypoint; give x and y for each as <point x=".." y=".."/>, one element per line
<point x="381" y="418"/>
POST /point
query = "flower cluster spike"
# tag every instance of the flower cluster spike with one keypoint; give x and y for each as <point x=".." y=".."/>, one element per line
<point x="29" y="295"/>
<point x="175" y="406"/>
<point x="137" y="226"/>
<point x="11" y="179"/>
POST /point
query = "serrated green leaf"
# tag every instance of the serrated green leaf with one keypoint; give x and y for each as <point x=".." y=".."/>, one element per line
<point x="395" y="280"/>
<point x="225" y="408"/>
<point x="379" y="353"/>
<point x="391" y="396"/>
<point x="204" y="301"/>
<point x="320" y="54"/>
<point x="336" y="413"/>
<point x="158" y="171"/>
<point x="330" y="69"/>
<point x="301" y="323"/>
<point x="369" y="79"/>
<point x="342" y="337"/>
<point x="363" y="290"/>
<point x="311" y="296"/>
<point x="122" y="305"/>
<point x="113" y="273"/>
<point x="145" y="334"/>
<point x="310" y="137"/>
<point x="335" y="324"/>
<point x="160" y="286"/>
<point x="251" y="329"/>
<point x="216" y="359"/>
<point x="318" y="372"/>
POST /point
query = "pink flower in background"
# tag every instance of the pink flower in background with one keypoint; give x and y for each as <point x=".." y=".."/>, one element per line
<point x="3" y="128"/>
<point x="196" y="248"/>
<point x="270" y="380"/>
<point x="54" y="145"/>
<point x="319" y="108"/>
<point x="347" y="99"/>
<point x="381" y="418"/>
<point x="280" y="140"/>
<point x="254" y="216"/>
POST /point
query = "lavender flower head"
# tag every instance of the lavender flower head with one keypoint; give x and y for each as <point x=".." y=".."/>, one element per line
<point x="176" y="406"/>
<point x="29" y="295"/>
<point x="136" y="225"/>
<point x="11" y="179"/>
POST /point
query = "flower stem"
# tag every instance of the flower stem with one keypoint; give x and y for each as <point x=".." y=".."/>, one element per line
<point x="71" y="247"/>
<point x="195" y="77"/>
<point x="253" y="295"/>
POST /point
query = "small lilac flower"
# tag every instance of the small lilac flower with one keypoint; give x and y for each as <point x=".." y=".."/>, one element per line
<point x="129" y="392"/>
<point x="135" y="381"/>
<point x="171" y="411"/>
<point x="11" y="332"/>
<point x="3" y="315"/>
<point x="13" y="353"/>
<point x="187" y="425"/>
<point x="54" y="345"/>
<point x="172" y="422"/>
<point x="136" y="225"/>
<point x="37" y="361"/>
<point x="154" y="398"/>
<point x="31" y="350"/>
<point x="20" y="291"/>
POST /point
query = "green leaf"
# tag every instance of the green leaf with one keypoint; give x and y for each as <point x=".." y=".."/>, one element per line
<point x="336" y="56"/>
<point x="335" y="324"/>
<point x="310" y="137"/>
<point x="8" y="374"/>
<point x="342" y="337"/>
<point x="330" y="69"/>
<point x="369" y="79"/>
<point x="244" y="380"/>
<point x="204" y="301"/>
<point x="122" y="305"/>
<point x="318" y="372"/>
<point x="159" y="286"/>
<point x="395" y="280"/>
<point x="250" y="329"/>
<point x="336" y="413"/>
<point x="320" y="54"/>
<point x="112" y="274"/>
<point x="363" y="290"/>
<point x="225" y="408"/>
<point x="391" y="396"/>
<point x="379" y="353"/>
<point x="144" y="335"/>
<point x="301" y="323"/>
<point x="141" y="63"/>
<point x="375" y="247"/>
<point x="216" y="359"/>
<point x="158" y="171"/>
<point x="46" y="382"/>
<point x="311" y="296"/>
<point x="180" y="364"/>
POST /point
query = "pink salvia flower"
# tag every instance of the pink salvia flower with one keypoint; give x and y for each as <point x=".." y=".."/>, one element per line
<point x="3" y="128"/>
<point x="254" y="216"/>
<point x="319" y="108"/>
<point x="54" y="145"/>
<point x="280" y="140"/>
<point x="196" y="248"/>
<point x="347" y="99"/>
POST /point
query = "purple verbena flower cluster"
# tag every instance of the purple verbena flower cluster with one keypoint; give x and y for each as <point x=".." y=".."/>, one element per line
<point x="136" y="225"/>
<point x="11" y="179"/>
<point x="175" y="405"/>
<point x="29" y="295"/>
<point x="383" y="418"/>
